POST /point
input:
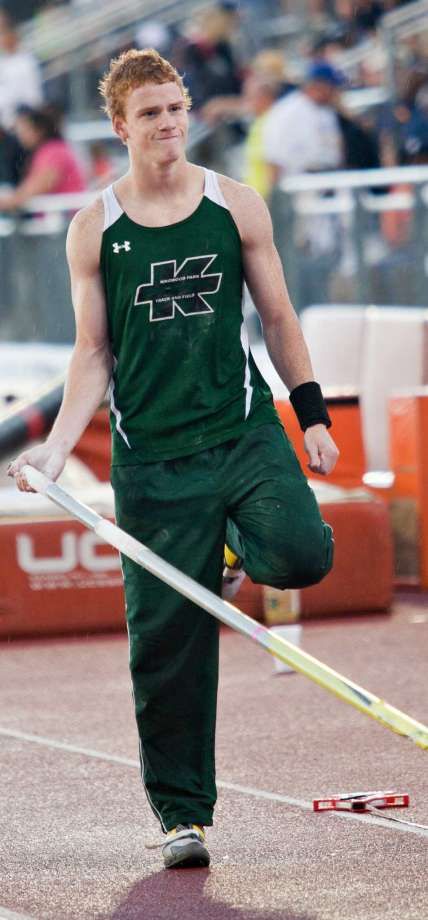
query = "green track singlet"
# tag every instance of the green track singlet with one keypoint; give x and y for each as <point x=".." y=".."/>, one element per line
<point x="183" y="378"/>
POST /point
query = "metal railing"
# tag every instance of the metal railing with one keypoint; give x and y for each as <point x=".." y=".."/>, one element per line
<point x="339" y="241"/>
<point x="35" y="302"/>
<point x="354" y="237"/>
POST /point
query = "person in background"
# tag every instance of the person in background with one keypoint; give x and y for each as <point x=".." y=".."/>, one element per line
<point x="396" y="278"/>
<point x="267" y="66"/>
<point x="360" y="145"/>
<point x="395" y="115"/>
<point x="265" y="83"/>
<point x="260" y="94"/>
<point x="53" y="168"/>
<point x="367" y="14"/>
<point x="302" y="132"/>
<point x="302" y="135"/>
<point x="12" y="159"/>
<point x="360" y="142"/>
<point x="359" y="18"/>
<point x="397" y="224"/>
<point x="208" y="59"/>
<point x="20" y="80"/>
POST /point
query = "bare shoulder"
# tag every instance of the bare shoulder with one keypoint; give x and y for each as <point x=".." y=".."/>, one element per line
<point x="85" y="235"/>
<point x="248" y="209"/>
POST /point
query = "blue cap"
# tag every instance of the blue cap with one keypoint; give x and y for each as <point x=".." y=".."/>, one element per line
<point x="325" y="73"/>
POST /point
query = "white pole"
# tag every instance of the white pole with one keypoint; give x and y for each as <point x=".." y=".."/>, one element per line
<point x="299" y="660"/>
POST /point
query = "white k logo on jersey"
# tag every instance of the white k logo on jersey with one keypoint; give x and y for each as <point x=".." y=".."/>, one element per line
<point x="125" y="245"/>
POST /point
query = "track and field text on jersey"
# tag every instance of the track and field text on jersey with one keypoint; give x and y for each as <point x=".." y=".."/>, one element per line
<point x="184" y="288"/>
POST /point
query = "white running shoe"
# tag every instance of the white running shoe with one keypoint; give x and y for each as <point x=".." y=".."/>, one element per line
<point x="185" y="846"/>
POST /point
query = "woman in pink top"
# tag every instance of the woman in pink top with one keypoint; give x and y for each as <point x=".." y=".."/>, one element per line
<point x="53" y="166"/>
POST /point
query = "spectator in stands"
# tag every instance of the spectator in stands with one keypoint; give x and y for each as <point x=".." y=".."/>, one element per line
<point x="53" y="167"/>
<point x="264" y="84"/>
<point x="270" y="64"/>
<point x="358" y="17"/>
<point x="397" y="224"/>
<point x="12" y="159"/>
<point x="260" y="94"/>
<point x="302" y="132"/>
<point x="208" y="59"/>
<point x="355" y="20"/>
<point x="395" y="118"/>
<point x="360" y="144"/>
<point x="267" y="67"/>
<point x="396" y="277"/>
<point x="367" y="14"/>
<point x="20" y="81"/>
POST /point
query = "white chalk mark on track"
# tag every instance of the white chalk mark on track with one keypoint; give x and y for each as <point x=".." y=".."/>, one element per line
<point x="229" y="787"/>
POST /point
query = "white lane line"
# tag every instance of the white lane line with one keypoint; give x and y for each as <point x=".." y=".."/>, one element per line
<point x="63" y="746"/>
<point x="300" y="803"/>
<point x="231" y="787"/>
<point x="10" y="915"/>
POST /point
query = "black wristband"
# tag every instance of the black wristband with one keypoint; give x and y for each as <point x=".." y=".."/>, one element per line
<point x="309" y="405"/>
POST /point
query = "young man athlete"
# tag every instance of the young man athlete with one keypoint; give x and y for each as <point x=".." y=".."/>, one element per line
<point x="198" y="454"/>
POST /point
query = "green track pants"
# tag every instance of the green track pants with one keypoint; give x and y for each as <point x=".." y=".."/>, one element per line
<point x="253" y="489"/>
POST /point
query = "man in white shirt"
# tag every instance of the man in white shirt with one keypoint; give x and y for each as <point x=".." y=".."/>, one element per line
<point x="302" y="132"/>
<point x="20" y="81"/>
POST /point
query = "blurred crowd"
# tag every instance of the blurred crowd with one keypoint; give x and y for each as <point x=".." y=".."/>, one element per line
<point x="283" y="92"/>
<point x="34" y="157"/>
<point x="279" y="87"/>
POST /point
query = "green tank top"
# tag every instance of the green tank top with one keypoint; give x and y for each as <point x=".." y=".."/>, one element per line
<point x="183" y="377"/>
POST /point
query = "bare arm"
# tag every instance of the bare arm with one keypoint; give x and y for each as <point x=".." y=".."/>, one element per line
<point x="220" y="108"/>
<point x="90" y="366"/>
<point x="265" y="279"/>
<point x="40" y="183"/>
<point x="281" y="328"/>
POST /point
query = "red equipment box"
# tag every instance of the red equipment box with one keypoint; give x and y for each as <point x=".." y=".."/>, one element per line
<point x="57" y="577"/>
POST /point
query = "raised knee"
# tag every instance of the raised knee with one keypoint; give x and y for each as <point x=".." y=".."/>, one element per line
<point x="297" y="566"/>
<point x="310" y="573"/>
<point x="315" y="560"/>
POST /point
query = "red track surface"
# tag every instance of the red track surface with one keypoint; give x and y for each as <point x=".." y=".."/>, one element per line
<point x="72" y="843"/>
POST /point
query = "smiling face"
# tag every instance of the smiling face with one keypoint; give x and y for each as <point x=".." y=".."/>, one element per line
<point x="155" y="123"/>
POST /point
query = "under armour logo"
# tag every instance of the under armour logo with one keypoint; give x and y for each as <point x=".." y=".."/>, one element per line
<point x="125" y="245"/>
<point x="183" y="288"/>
